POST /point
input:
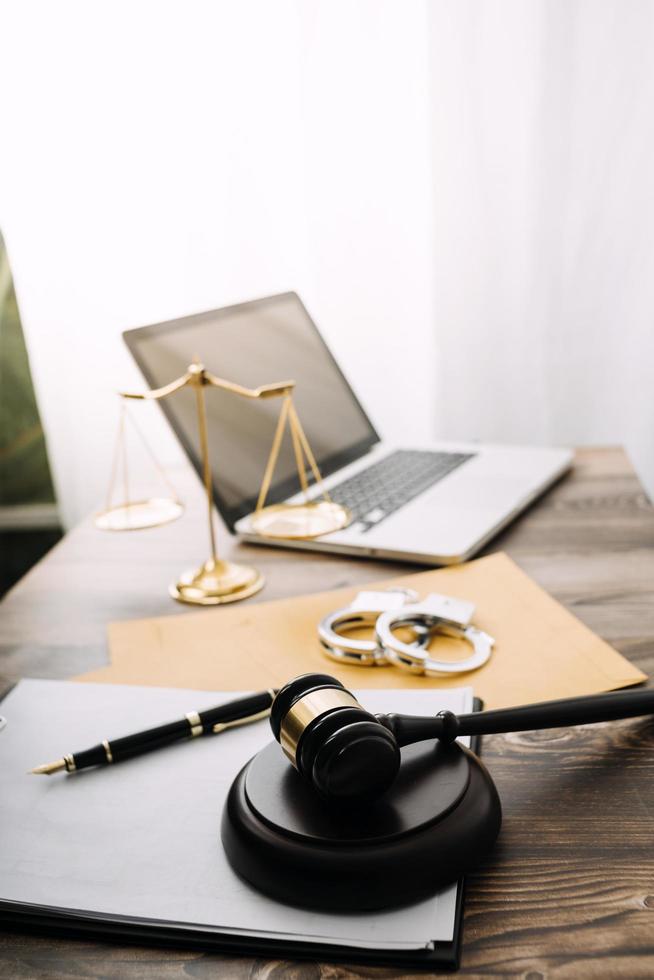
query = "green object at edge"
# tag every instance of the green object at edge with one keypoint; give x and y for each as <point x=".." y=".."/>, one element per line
<point x="24" y="469"/>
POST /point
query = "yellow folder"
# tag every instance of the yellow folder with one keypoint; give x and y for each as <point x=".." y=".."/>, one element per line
<point x="542" y="651"/>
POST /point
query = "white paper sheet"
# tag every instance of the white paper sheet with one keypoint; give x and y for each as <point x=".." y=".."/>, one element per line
<point x="141" y="839"/>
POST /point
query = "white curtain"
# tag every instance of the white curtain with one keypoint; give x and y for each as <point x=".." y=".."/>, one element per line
<point x="543" y="169"/>
<point x="460" y="191"/>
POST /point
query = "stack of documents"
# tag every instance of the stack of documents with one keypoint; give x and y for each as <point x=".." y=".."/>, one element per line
<point x="136" y="845"/>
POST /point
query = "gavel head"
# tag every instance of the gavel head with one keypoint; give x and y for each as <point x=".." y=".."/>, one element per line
<point x="343" y="750"/>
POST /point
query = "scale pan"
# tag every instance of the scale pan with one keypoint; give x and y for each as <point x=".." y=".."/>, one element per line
<point x="138" y="514"/>
<point x="300" y="521"/>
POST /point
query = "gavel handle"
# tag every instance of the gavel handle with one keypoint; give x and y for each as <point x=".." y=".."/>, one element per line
<point x="546" y="714"/>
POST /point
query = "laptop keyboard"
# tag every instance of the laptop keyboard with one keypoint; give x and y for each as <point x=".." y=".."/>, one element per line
<point x="378" y="491"/>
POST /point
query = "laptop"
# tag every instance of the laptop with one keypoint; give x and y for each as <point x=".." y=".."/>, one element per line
<point x="434" y="504"/>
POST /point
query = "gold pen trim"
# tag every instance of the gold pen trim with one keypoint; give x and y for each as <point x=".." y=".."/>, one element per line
<point x="107" y="750"/>
<point x="195" y="723"/>
<point x="220" y="726"/>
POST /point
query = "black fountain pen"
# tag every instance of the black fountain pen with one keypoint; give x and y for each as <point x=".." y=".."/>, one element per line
<point x="194" y="723"/>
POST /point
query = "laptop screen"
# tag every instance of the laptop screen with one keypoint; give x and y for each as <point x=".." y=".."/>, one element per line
<point x="254" y="344"/>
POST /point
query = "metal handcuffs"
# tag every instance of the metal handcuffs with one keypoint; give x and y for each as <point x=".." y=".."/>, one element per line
<point x="364" y="610"/>
<point x="387" y="611"/>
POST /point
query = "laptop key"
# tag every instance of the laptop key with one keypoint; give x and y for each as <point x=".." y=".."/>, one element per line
<point x="374" y="516"/>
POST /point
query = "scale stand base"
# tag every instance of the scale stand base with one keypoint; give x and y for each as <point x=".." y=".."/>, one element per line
<point x="439" y="819"/>
<point x="217" y="582"/>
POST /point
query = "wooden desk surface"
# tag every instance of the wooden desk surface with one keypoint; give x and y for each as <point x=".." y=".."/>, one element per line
<point x="569" y="890"/>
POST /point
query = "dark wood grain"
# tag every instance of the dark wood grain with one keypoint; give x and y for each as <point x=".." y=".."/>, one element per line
<point x="569" y="890"/>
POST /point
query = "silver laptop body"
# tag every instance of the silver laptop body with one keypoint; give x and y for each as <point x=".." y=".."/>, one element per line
<point x="431" y="504"/>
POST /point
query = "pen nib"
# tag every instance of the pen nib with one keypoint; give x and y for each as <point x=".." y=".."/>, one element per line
<point x="48" y="768"/>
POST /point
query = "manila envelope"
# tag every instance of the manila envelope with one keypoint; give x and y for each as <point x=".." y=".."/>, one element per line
<point x="541" y="650"/>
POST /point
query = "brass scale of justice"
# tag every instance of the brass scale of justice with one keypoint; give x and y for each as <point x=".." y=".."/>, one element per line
<point x="218" y="581"/>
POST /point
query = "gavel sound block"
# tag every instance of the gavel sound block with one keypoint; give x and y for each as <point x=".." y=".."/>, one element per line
<point x="331" y="831"/>
<point x="441" y="816"/>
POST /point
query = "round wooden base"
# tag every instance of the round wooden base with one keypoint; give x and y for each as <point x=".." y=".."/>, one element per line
<point x="439" y="819"/>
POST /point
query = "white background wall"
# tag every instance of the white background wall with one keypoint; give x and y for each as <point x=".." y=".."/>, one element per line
<point x="544" y="168"/>
<point x="164" y="158"/>
<point x="460" y="191"/>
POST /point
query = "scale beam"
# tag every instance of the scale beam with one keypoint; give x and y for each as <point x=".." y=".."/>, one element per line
<point x="156" y="393"/>
<point x="275" y="390"/>
<point x="218" y="581"/>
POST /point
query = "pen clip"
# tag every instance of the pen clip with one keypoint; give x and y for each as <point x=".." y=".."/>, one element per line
<point x="222" y="725"/>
